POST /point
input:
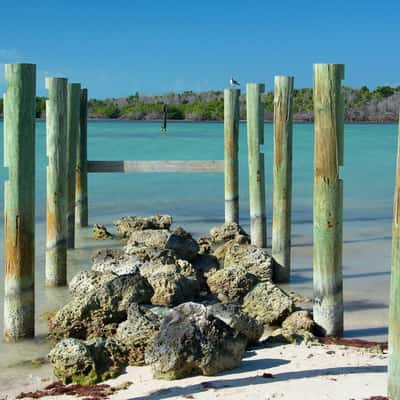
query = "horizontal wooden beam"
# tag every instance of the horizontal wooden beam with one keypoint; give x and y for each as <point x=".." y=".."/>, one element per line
<point x="161" y="166"/>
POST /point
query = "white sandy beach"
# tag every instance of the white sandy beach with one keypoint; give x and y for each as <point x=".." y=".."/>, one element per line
<point x="298" y="372"/>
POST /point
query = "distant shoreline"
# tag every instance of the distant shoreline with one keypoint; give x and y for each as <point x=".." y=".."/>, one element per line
<point x="268" y="121"/>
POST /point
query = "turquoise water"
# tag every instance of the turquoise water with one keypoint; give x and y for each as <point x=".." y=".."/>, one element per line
<point x="196" y="202"/>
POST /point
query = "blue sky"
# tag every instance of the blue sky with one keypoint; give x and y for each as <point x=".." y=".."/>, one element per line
<point x="116" y="48"/>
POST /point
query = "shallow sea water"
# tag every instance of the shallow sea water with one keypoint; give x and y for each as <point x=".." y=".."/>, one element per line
<point x="196" y="202"/>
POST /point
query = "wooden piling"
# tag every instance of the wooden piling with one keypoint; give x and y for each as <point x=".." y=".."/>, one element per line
<point x="255" y="138"/>
<point x="81" y="208"/>
<point x="56" y="203"/>
<point x="394" y="306"/>
<point x="73" y="107"/>
<point x="328" y="198"/>
<point x="19" y="201"/>
<point x="282" y="201"/>
<point x="231" y="151"/>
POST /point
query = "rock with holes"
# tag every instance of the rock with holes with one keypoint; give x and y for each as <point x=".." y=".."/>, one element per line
<point x="183" y="245"/>
<point x="234" y="317"/>
<point x="226" y="232"/>
<point x="203" y="264"/>
<point x="268" y="303"/>
<point x="137" y="333"/>
<point x="100" y="302"/>
<point x="126" y="225"/>
<point x="230" y="284"/>
<point x="255" y="260"/>
<point x="76" y="361"/>
<point x="116" y="261"/>
<point x="147" y="238"/>
<point x="192" y="341"/>
<point x="100" y="232"/>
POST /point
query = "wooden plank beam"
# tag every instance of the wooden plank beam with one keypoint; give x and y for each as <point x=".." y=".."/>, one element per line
<point x="162" y="166"/>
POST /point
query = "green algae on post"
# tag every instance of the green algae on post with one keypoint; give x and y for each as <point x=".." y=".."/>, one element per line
<point x="56" y="203"/>
<point x="255" y="138"/>
<point x="19" y="201"/>
<point x="394" y="306"/>
<point x="73" y="137"/>
<point x="328" y="198"/>
<point x="231" y="149"/>
<point x="282" y="197"/>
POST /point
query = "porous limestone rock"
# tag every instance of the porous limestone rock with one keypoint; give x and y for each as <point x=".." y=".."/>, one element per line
<point x="100" y="232"/>
<point x="126" y="225"/>
<point x="268" y="303"/>
<point x="192" y="341"/>
<point x="148" y="238"/>
<point x="228" y="231"/>
<point x="183" y="244"/>
<point x="230" y="284"/>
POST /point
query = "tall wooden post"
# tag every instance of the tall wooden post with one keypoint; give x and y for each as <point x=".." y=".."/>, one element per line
<point x="231" y="150"/>
<point x="255" y="138"/>
<point x="282" y="203"/>
<point x="81" y="209"/>
<point x="19" y="201"/>
<point x="394" y="306"/>
<point x="74" y="93"/>
<point x="328" y="197"/>
<point x="56" y="204"/>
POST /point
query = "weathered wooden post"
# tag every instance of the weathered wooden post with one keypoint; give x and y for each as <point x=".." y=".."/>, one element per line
<point x="19" y="201"/>
<point x="255" y="138"/>
<point x="56" y="203"/>
<point x="282" y="202"/>
<point x="328" y="197"/>
<point x="394" y="306"/>
<point x="231" y="150"/>
<point x="74" y="93"/>
<point x="81" y="210"/>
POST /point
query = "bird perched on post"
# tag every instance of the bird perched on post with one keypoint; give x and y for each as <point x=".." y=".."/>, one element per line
<point x="233" y="82"/>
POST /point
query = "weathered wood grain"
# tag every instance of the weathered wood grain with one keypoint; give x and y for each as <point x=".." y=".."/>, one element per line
<point x="282" y="194"/>
<point x="231" y="154"/>
<point x="328" y="198"/>
<point x="255" y="138"/>
<point x="56" y="188"/>
<point x="162" y="166"/>
<point x="19" y="201"/>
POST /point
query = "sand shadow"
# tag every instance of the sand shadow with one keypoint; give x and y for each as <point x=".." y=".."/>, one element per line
<point x="215" y="384"/>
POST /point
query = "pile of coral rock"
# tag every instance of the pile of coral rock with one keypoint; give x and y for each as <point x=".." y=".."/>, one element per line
<point x="181" y="305"/>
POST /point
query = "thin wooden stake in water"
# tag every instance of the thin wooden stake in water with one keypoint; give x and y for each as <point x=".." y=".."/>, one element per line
<point x="394" y="306"/>
<point x="328" y="198"/>
<point x="255" y="138"/>
<point x="282" y="206"/>
<point x="231" y="150"/>
<point x="19" y="201"/>
<point x="56" y="204"/>
<point x="74" y="93"/>
<point x="81" y="210"/>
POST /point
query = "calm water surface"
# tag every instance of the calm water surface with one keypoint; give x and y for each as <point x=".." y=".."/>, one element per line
<point x="196" y="202"/>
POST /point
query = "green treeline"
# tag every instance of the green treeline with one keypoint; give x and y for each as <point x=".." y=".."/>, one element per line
<point x="379" y="105"/>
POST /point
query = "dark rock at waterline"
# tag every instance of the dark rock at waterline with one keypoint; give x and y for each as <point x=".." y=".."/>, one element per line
<point x="76" y="361"/>
<point x="192" y="341"/>
<point x="183" y="244"/>
<point x="126" y="225"/>
<point x="100" y="232"/>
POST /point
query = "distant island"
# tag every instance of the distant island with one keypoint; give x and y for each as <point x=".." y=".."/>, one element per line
<point x="361" y="105"/>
